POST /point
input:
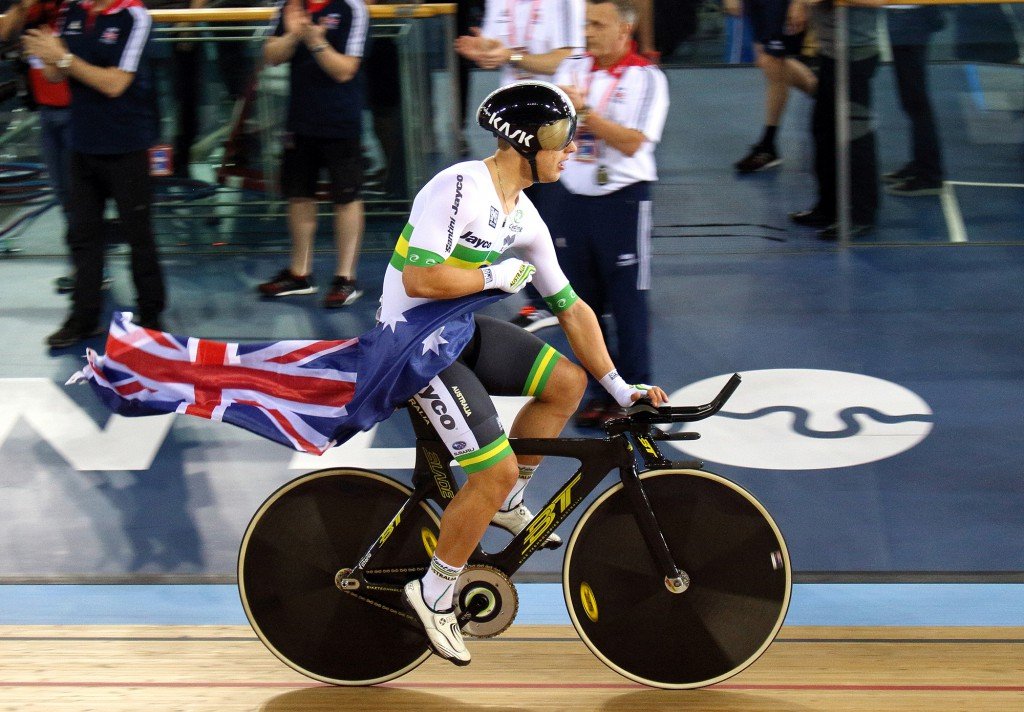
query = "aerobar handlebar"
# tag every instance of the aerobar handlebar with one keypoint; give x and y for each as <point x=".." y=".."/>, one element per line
<point x="643" y="411"/>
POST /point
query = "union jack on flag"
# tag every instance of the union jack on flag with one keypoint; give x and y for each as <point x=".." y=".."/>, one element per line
<point x="309" y="395"/>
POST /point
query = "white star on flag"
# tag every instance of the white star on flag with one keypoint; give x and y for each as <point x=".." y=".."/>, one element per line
<point x="391" y="319"/>
<point x="434" y="341"/>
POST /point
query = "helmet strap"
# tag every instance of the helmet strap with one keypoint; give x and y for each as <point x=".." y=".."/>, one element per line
<point x="533" y="167"/>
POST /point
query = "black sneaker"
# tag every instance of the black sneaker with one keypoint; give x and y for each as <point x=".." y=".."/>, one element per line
<point x="831" y="233"/>
<point x="66" y="284"/>
<point x="812" y="218"/>
<point x="533" y="319"/>
<point x="760" y="158"/>
<point x="342" y="293"/>
<point x="70" y="333"/>
<point x="915" y="186"/>
<point x="899" y="175"/>
<point x="285" y="284"/>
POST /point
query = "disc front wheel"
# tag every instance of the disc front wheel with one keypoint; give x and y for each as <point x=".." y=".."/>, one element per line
<point x="740" y="581"/>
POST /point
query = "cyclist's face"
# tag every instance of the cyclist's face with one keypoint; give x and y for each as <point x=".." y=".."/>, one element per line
<point x="550" y="164"/>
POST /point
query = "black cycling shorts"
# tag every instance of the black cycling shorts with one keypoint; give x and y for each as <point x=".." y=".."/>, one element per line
<point x="305" y="156"/>
<point x="502" y="360"/>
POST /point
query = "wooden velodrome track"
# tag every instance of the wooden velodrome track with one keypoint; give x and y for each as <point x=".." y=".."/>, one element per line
<point x="155" y="668"/>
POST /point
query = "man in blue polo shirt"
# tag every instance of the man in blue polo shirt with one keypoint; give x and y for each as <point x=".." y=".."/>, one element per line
<point x="99" y="47"/>
<point x="323" y="42"/>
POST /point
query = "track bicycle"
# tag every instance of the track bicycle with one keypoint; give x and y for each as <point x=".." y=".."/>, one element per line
<point x="674" y="577"/>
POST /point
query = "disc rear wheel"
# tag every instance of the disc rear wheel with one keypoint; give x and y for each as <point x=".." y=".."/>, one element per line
<point x="299" y="540"/>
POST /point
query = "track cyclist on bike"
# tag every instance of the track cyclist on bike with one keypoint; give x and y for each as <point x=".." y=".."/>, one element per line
<point x="462" y="223"/>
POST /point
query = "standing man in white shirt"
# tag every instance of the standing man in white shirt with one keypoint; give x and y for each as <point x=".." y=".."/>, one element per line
<point x="603" y="235"/>
<point x="528" y="39"/>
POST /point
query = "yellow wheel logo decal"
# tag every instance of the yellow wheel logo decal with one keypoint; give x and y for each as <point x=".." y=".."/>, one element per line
<point x="429" y="540"/>
<point x="589" y="601"/>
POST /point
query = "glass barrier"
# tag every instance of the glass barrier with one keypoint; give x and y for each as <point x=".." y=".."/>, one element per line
<point x="930" y="123"/>
<point x="222" y="118"/>
<point x="223" y="112"/>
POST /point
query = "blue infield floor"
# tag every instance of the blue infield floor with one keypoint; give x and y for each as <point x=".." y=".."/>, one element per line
<point x="539" y="604"/>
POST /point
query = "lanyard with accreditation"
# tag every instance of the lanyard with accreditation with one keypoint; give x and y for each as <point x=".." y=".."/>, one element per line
<point x="588" y="145"/>
<point x="513" y="34"/>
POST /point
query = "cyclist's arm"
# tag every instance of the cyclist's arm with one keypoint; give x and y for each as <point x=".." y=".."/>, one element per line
<point x="453" y="205"/>
<point x="584" y="333"/>
<point x="441" y="281"/>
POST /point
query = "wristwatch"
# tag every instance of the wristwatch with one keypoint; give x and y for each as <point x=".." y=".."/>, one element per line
<point x="319" y="48"/>
<point x="515" y="58"/>
<point x="65" y="61"/>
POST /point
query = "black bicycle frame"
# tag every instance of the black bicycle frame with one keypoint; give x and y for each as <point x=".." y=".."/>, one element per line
<point x="433" y="480"/>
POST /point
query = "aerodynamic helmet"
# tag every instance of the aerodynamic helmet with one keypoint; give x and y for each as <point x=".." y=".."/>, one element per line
<point x="530" y="115"/>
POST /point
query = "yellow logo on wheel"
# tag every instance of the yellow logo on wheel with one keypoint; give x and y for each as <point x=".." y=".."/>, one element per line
<point x="589" y="601"/>
<point x="429" y="540"/>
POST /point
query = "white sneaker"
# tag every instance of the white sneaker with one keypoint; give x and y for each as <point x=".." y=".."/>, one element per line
<point x="515" y="521"/>
<point x="442" y="629"/>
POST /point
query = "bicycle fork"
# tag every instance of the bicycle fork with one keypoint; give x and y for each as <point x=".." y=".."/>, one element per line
<point x="676" y="580"/>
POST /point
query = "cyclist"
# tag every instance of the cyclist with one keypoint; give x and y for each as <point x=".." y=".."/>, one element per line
<point x="462" y="222"/>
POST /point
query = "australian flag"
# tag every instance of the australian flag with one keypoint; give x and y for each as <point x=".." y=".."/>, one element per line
<point x="309" y="395"/>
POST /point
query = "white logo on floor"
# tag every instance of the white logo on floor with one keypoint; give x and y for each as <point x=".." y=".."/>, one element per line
<point x="805" y="419"/>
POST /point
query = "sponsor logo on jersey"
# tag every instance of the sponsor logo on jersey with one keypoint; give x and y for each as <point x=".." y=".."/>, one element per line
<point x="455" y="211"/>
<point x="505" y="129"/>
<point x="110" y="35"/>
<point x="331" y="21"/>
<point x="493" y="219"/>
<point x="460" y="445"/>
<point x="473" y="241"/>
<point x="508" y="242"/>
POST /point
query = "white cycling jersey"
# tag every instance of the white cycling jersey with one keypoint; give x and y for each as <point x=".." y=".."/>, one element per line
<point x="457" y="220"/>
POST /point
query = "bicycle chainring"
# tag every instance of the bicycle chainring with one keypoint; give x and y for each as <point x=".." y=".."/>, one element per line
<point x="491" y="597"/>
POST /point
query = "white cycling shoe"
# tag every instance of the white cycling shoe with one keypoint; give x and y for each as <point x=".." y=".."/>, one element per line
<point x="442" y="629"/>
<point x="516" y="520"/>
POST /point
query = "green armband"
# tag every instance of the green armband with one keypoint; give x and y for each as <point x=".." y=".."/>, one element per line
<point x="563" y="300"/>
<point x="423" y="258"/>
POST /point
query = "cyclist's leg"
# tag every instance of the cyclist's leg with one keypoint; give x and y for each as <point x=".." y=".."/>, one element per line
<point x="512" y="362"/>
<point x="458" y="407"/>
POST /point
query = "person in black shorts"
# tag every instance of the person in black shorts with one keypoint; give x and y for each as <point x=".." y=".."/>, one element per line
<point x="778" y="38"/>
<point x="323" y="41"/>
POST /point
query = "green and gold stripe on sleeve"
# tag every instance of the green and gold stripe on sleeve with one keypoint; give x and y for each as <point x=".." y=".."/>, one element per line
<point x="468" y="258"/>
<point x="405" y="254"/>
